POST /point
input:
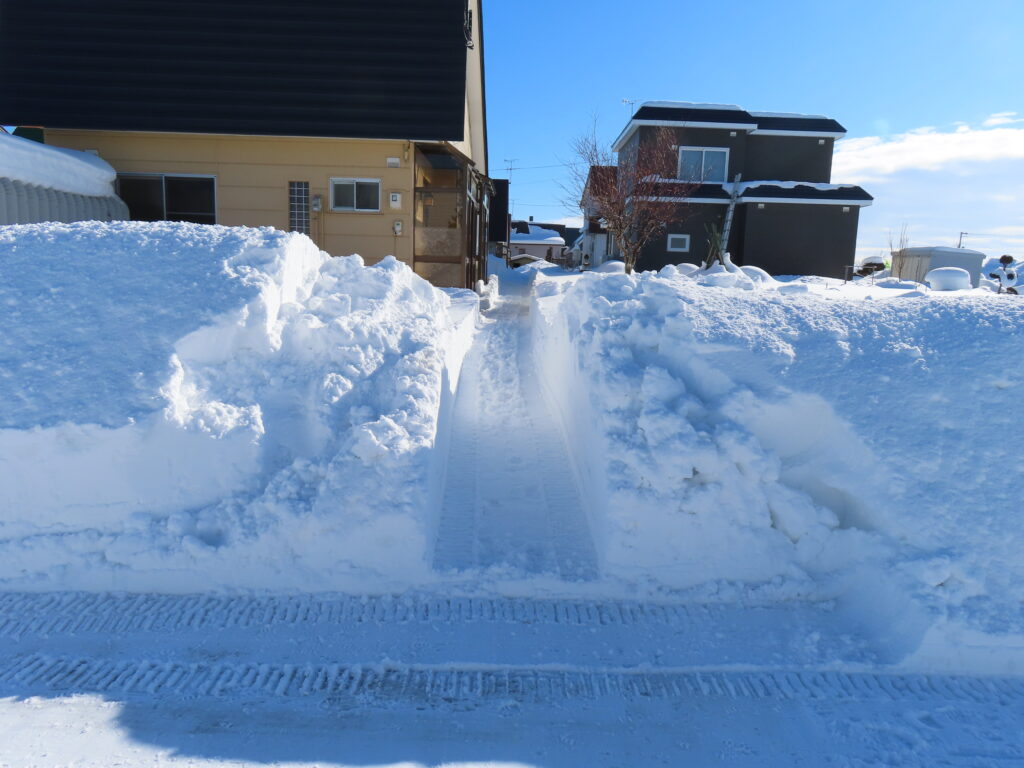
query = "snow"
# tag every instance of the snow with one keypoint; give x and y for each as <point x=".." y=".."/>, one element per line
<point x="538" y="235"/>
<point x="822" y="186"/>
<point x="265" y="507"/>
<point x="787" y="435"/>
<point x="189" y="407"/>
<point x="691" y="105"/>
<point x="66" y="170"/>
<point x="949" y="279"/>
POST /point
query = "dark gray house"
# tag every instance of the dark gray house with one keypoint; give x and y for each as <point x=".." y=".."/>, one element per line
<point x="774" y="170"/>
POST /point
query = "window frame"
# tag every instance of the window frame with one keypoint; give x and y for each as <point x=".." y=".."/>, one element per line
<point x="163" y="176"/>
<point x="668" y="243"/>
<point x="299" y="207"/>
<point x="355" y="198"/>
<point x="702" y="150"/>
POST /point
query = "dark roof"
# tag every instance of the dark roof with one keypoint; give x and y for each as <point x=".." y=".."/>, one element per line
<point x="800" y="123"/>
<point x="703" y="191"/>
<point x="806" y="192"/>
<point x="345" y="68"/>
<point x="695" y="114"/>
<point x="609" y="172"/>
<point x="713" y="114"/>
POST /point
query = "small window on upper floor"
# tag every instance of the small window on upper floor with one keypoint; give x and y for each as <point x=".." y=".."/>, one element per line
<point x="707" y="165"/>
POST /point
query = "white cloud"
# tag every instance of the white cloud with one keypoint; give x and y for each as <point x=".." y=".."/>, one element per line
<point x="568" y="221"/>
<point x="873" y="158"/>
<point x="1002" y="118"/>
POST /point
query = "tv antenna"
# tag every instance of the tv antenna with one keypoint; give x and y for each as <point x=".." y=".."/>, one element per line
<point x="511" y="163"/>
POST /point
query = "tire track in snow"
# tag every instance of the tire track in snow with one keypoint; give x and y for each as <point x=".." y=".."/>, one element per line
<point x="395" y="682"/>
<point x="24" y="614"/>
<point x="510" y="497"/>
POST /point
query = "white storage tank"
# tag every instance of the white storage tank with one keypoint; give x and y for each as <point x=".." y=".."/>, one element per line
<point x="915" y="263"/>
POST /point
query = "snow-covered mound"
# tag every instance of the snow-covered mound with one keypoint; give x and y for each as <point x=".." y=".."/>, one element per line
<point x="764" y="436"/>
<point x="66" y="170"/>
<point x="192" y="407"/>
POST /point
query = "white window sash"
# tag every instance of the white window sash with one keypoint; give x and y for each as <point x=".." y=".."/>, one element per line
<point x="355" y="199"/>
<point x="703" y="164"/>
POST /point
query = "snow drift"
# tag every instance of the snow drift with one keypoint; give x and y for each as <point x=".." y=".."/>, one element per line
<point x="187" y="407"/>
<point x="797" y="440"/>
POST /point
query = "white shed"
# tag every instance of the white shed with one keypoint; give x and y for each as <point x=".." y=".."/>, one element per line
<point x="915" y="263"/>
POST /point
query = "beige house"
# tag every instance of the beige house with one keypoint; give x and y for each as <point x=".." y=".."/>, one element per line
<point x="395" y="164"/>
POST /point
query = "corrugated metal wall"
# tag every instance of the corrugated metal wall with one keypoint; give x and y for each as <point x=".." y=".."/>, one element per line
<point x="22" y="203"/>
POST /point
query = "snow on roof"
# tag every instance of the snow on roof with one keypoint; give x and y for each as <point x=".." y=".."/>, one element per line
<point x="538" y="235"/>
<point x="66" y="170"/>
<point x="822" y="186"/>
<point x="690" y="105"/>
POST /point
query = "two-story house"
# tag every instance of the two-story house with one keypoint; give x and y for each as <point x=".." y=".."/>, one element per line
<point x="359" y="124"/>
<point x="773" y="170"/>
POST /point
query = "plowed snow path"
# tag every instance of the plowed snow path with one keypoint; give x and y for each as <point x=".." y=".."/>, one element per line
<point x="510" y="496"/>
<point x="96" y="680"/>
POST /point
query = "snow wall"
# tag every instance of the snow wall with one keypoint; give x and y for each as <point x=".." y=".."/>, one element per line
<point x="186" y="407"/>
<point x="801" y="439"/>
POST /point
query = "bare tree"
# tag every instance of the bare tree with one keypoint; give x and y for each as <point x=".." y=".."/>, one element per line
<point x="635" y="195"/>
<point x="898" y="243"/>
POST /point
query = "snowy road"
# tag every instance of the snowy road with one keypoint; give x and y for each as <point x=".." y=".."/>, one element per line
<point x="429" y="680"/>
<point x="510" y="496"/>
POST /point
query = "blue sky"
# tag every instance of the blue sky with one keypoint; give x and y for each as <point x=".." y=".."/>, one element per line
<point x="931" y="94"/>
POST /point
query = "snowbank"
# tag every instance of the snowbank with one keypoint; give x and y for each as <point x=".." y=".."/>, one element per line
<point x="798" y="440"/>
<point x="189" y="407"/>
<point x="66" y="170"/>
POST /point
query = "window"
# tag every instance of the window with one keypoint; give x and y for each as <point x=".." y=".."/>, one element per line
<point x="163" y="197"/>
<point x="298" y="206"/>
<point x="355" y="195"/>
<point x="703" y="164"/>
<point x="679" y="243"/>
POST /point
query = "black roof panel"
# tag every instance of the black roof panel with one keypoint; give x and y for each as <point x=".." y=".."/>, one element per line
<point x="716" y="114"/>
<point x="345" y="68"/>
<point x="800" y="123"/>
<point x="696" y="115"/>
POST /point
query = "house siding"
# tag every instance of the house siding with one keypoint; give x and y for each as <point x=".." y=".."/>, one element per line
<point x="788" y="158"/>
<point x="696" y="220"/>
<point x="252" y="175"/>
<point x="793" y="239"/>
<point x="704" y="137"/>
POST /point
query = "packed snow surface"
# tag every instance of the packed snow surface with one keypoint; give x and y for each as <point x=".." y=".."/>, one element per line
<point x="192" y="407"/>
<point x="66" y="170"/>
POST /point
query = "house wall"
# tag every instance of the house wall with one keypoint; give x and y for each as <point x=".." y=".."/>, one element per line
<point x="252" y="175"/>
<point x="788" y="158"/>
<point x="474" y="140"/>
<point x="704" y="137"/>
<point x="792" y="239"/>
<point x="697" y="218"/>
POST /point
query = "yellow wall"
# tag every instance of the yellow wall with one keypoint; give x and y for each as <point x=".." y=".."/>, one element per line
<point x="253" y="172"/>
